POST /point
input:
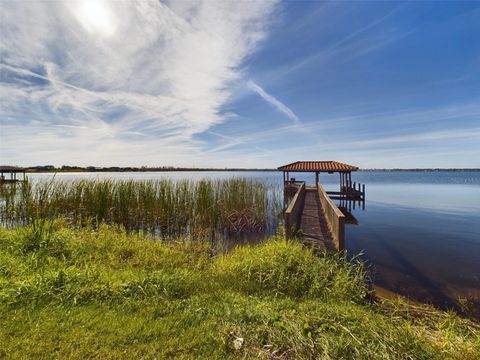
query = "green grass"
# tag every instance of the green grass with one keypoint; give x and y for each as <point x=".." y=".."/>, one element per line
<point x="164" y="207"/>
<point x="108" y="294"/>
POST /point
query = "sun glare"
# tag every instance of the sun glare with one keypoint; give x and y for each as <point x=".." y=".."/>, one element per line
<point x="96" y="17"/>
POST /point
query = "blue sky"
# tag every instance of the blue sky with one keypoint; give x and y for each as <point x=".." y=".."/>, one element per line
<point x="237" y="84"/>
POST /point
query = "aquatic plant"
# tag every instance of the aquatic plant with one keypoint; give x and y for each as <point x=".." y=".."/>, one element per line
<point x="164" y="207"/>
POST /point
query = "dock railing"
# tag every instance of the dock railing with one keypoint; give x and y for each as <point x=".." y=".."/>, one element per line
<point x="294" y="211"/>
<point x="335" y="218"/>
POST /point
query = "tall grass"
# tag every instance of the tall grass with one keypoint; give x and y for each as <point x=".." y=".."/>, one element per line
<point x="104" y="293"/>
<point x="164" y="207"/>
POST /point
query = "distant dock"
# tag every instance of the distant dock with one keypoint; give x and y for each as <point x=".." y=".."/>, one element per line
<point x="8" y="174"/>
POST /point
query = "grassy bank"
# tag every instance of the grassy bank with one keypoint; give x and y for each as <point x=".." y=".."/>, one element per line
<point x="107" y="294"/>
<point x="168" y="208"/>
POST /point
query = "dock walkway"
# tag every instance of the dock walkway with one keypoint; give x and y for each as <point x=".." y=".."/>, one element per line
<point x="313" y="225"/>
<point x="312" y="216"/>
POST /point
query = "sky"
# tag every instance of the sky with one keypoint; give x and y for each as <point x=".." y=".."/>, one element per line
<point x="240" y="83"/>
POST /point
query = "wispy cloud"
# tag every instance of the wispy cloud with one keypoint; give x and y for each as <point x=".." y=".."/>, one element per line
<point x="234" y="141"/>
<point x="93" y="76"/>
<point x="277" y="104"/>
<point x="163" y="83"/>
<point x="379" y="139"/>
<point x="429" y="136"/>
<point x="352" y="45"/>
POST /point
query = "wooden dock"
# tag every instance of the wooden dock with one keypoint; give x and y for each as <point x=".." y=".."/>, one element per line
<point x="313" y="224"/>
<point x="312" y="216"/>
<point x="310" y="212"/>
<point x="12" y="172"/>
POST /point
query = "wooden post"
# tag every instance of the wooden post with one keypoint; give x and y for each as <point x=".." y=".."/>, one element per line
<point x="316" y="178"/>
<point x="363" y="197"/>
<point x="350" y="179"/>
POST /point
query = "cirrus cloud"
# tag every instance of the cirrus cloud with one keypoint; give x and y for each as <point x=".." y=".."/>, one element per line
<point x="106" y="82"/>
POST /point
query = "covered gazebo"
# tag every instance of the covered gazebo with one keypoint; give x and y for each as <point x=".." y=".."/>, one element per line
<point x="317" y="167"/>
<point x="12" y="172"/>
<point x="347" y="187"/>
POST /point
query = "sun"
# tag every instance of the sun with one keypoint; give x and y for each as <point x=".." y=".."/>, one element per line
<point x="96" y="17"/>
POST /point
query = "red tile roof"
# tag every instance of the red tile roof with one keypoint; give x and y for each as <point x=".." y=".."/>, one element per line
<point x="321" y="166"/>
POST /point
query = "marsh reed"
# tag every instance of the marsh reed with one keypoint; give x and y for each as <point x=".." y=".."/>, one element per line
<point x="164" y="207"/>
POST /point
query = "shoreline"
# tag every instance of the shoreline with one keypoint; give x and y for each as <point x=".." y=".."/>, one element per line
<point x="30" y="170"/>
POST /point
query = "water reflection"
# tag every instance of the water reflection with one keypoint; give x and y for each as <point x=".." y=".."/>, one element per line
<point x="428" y="251"/>
<point x="445" y="198"/>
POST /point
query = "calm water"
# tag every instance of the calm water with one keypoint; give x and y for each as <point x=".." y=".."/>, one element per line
<point x="420" y="231"/>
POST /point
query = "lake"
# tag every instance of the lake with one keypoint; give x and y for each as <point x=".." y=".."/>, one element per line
<point x="419" y="231"/>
